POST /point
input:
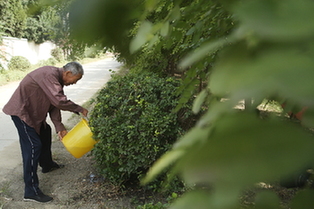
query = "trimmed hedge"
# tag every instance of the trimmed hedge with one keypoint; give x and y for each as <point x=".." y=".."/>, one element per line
<point x="133" y="120"/>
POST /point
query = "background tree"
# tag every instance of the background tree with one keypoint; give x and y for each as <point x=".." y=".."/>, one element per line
<point x="107" y="23"/>
<point x="13" y="17"/>
<point x="50" y="21"/>
<point x="2" y="52"/>
<point x="40" y="21"/>
<point x="72" y="49"/>
<point x="42" y="26"/>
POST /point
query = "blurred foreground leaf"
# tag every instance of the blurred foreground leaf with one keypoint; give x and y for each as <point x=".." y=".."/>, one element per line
<point x="199" y="200"/>
<point x="304" y="199"/>
<point x="277" y="20"/>
<point x="285" y="71"/>
<point x="104" y="20"/>
<point x="267" y="199"/>
<point x="243" y="150"/>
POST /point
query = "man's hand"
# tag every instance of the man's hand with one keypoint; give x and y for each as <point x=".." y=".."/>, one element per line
<point x="85" y="112"/>
<point x="61" y="134"/>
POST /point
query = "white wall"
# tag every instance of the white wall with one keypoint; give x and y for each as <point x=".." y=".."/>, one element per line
<point x="28" y="49"/>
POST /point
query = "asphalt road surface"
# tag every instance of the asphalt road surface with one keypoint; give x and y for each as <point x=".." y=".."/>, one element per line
<point x="96" y="75"/>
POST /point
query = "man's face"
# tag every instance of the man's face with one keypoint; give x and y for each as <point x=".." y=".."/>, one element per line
<point x="69" y="78"/>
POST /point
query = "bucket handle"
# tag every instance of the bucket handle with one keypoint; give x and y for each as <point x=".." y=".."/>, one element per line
<point x="84" y="117"/>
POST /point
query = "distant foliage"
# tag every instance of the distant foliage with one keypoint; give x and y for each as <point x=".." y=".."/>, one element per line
<point x="57" y="53"/>
<point x="19" y="63"/>
<point x="49" y="62"/>
<point x="74" y="50"/>
<point x="135" y="124"/>
<point x="43" y="27"/>
<point x="13" y="15"/>
<point x="93" y="51"/>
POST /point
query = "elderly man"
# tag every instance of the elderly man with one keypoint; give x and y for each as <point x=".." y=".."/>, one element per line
<point x="40" y="93"/>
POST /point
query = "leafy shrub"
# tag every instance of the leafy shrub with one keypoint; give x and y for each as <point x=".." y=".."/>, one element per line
<point x="19" y="63"/>
<point x="133" y="120"/>
<point x="49" y="62"/>
<point x="93" y="51"/>
<point x="57" y="53"/>
<point x="75" y="50"/>
<point x="2" y="69"/>
<point x="52" y="61"/>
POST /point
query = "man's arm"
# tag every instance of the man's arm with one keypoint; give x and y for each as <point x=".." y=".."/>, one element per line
<point x="55" y="116"/>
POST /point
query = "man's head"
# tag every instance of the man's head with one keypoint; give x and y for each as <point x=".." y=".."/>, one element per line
<point x="72" y="72"/>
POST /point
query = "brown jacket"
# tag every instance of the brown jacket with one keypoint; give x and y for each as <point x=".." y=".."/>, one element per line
<point x="39" y="93"/>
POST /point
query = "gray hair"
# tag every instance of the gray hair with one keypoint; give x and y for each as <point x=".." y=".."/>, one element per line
<point x="74" y="67"/>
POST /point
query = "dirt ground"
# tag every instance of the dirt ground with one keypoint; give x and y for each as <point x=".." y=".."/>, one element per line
<point x="76" y="186"/>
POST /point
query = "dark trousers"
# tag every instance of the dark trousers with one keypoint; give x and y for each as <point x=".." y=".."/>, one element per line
<point x="36" y="149"/>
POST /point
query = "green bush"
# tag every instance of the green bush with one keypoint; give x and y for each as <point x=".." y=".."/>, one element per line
<point x="93" y="51"/>
<point x="49" y="62"/>
<point x="2" y="69"/>
<point x="133" y="120"/>
<point x="19" y="63"/>
<point x="52" y="61"/>
<point x="57" y="53"/>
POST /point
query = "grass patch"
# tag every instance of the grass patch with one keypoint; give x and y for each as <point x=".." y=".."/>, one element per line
<point x="4" y="193"/>
<point x="8" y="76"/>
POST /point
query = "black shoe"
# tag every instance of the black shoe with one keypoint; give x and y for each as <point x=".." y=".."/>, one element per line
<point x="38" y="198"/>
<point x="54" y="167"/>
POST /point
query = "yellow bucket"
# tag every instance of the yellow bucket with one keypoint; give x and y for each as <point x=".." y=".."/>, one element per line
<point x="79" y="140"/>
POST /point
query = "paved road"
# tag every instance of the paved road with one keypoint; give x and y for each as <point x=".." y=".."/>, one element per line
<point x="95" y="76"/>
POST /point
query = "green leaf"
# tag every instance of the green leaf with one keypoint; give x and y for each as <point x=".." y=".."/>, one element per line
<point x="161" y="164"/>
<point x="194" y="136"/>
<point x="150" y="4"/>
<point x="190" y="31"/>
<point x="142" y="36"/>
<point x="175" y="14"/>
<point x="204" y="199"/>
<point x="195" y="199"/>
<point x="164" y="29"/>
<point x="277" y="20"/>
<point x="285" y="71"/>
<point x="199" y="100"/>
<point x="153" y="41"/>
<point x="214" y="112"/>
<point x="242" y="150"/>
<point x="303" y="199"/>
<point x="267" y="199"/>
<point x="203" y="51"/>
